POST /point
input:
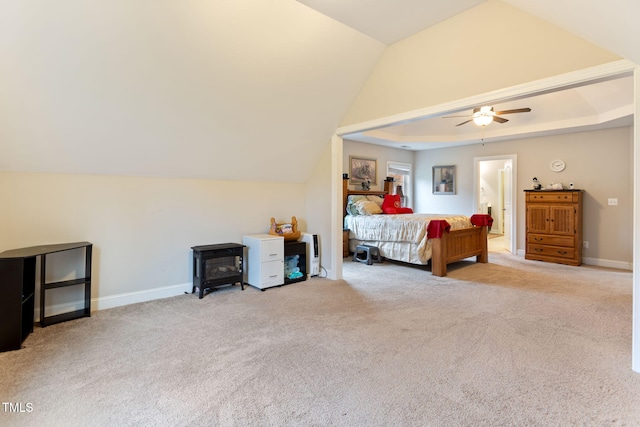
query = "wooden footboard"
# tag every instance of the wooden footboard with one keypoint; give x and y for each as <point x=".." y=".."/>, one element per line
<point x="457" y="245"/>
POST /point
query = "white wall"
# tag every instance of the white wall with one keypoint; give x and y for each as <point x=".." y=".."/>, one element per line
<point x="318" y="209"/>
<point x="142" y="228"/>
<point x="599" y="162"/>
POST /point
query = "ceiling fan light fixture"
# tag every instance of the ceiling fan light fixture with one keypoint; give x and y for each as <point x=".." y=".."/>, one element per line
<point x="483" y="116"/>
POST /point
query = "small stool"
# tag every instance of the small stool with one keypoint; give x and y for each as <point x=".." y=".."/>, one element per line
<point x="371" y="254"/>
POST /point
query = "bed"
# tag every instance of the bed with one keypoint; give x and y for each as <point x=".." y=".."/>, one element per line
<point x="414" y="238"/>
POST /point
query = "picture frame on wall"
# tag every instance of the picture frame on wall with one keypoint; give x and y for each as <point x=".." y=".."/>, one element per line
<point x="362" y="170"/>
<point x="444" y="180"/>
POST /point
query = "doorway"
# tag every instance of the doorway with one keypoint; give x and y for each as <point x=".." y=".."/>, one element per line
<point x="494" y="194"/>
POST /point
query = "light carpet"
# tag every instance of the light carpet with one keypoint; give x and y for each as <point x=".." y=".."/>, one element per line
<point x="509" y="343"/>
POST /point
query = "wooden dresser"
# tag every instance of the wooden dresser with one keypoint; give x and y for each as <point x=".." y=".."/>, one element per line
<point x="554" y="226"/>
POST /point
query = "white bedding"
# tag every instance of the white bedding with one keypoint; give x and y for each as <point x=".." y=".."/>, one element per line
<point x="400" y="237"/>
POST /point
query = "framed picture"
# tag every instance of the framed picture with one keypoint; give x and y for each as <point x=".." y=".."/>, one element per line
<point x="363" y="170"/>
<point x="444" y="180"/>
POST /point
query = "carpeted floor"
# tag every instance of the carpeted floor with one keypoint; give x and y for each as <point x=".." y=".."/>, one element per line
<point x="509" y="343"/>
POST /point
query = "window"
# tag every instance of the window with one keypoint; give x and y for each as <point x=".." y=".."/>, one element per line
<point x="401" y="173"/>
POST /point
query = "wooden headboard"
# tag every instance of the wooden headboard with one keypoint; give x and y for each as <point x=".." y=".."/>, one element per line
<point x="346" y="192"/>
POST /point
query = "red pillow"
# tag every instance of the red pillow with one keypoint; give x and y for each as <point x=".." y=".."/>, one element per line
<point x="390" y="202"/>
<point x="404" y="210"/>
<point x="391" y="205"/>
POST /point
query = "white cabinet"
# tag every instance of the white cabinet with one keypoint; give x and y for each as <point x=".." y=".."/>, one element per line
<point x="264" y="261"/>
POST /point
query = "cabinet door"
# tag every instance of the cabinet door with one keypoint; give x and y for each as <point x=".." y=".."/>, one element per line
<point x="538" y="219"/>
<point x="562" y="220"/>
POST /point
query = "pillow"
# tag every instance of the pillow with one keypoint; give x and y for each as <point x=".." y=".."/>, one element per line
<point x="355" y="197"/>
<point x="377" y="199"/>
<point x="391" y="211"/>
<point x="391" y="205"/>
<point x="367" y="207"/>
<point x="404" y="210"/>
<point x="351" y="207"/>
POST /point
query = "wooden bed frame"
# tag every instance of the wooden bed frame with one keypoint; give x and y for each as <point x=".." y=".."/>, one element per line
<point x="453" y="246"/>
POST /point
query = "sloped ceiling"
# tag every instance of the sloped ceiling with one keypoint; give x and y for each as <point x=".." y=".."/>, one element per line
<point x="612" y="25"/>
<point x="605" y="104"/>
<point x="390" y="21"/>
<point x="232" y="90"/>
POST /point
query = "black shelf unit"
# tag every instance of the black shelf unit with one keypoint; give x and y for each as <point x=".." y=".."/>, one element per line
<point x="291" y="249"/>
<point x="217" y="265"/>
<point x="86" y="281"/>
<point x="17" y="291"/>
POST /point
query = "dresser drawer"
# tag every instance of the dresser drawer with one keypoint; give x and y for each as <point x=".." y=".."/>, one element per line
<point x="546" y="239"/>
<point x="552" y="196"/>
<point x="553" y="251"/>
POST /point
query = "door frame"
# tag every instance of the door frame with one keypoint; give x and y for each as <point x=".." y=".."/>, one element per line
<point x="513" y="227"/>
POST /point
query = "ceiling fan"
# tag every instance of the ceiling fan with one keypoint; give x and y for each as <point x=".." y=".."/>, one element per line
<point x="482" y="116"/>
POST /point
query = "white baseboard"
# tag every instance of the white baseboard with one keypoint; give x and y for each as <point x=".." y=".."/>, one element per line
<point x="620" y="265"/>
<point x="119" y="300"/>
<point x="328" y="273"/>
<point x="140" y="296"/>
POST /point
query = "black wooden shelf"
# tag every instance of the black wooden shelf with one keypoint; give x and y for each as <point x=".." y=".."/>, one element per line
<point x="70" y="315"/>
<point x="65" y="283"/>
<point x="17" y="289"/>
<point x="292" y="249"/>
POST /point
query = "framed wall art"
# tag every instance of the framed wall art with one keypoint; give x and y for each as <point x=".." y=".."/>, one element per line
<point x="444" y="180"/>
<point x="362" y="170"/>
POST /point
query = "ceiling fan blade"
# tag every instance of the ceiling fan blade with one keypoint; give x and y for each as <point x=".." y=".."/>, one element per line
<point x="460" y="124"/>
<point x="499" y="119"/>
<point x="517" y="110"/>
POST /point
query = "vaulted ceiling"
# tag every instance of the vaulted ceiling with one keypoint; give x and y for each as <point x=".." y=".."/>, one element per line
<point x="224" y="90"/>
<point x="390" y="21"/>
<point x="594" y="106"/>
<point x="611" y="24"/>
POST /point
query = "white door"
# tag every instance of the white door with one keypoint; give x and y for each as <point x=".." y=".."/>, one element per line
<point x="507" y="205"/>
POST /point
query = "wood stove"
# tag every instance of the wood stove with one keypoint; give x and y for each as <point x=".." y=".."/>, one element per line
<point x="217" y="265"/>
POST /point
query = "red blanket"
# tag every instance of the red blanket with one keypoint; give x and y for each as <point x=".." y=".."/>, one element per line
<point x="436" y="228"/>
<point x="481" y="220"/>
